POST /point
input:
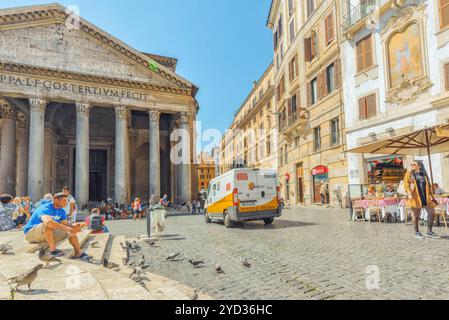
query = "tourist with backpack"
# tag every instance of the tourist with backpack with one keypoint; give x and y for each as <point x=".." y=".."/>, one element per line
<point x="95" y="222"/>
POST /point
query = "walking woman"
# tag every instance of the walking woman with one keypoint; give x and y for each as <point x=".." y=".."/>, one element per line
<point x="137" y="209"/>
<point x="420" y="196"/>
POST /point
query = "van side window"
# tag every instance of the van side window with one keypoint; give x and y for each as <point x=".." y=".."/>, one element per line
<point x="218" y="187"/>
<point x="214" y="188"/>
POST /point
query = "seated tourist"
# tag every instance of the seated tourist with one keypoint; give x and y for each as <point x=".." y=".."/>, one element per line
<point x="437" y="190"/>
<point x="6" y="213"/>
<point x="19" y="215"/>
<point x="372" y="193"/>
<point x="48" y="198"/>
<point x="164" y="201"/>
<point x="49" y="225"/>
<point x="390" y="192"/>
<point x="96" y="222"/>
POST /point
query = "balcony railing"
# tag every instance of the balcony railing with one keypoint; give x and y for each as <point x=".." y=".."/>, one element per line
<point x="358" y="13"/>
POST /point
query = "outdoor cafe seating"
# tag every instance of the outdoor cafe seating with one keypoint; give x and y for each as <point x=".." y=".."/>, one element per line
<point x="382" y="208"/>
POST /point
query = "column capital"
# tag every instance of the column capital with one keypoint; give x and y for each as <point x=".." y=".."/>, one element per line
<point x="38" y="105"/>
<point x="154" y="115"/>
<point x="184" y="118"/>
<point x="22" y="121"/>
<point x="83" y="108"/>
<point x="122" y="112"/>
<point x="7" y="111"/>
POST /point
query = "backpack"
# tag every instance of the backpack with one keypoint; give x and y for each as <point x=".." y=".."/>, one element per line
<point x="95" y="222"/>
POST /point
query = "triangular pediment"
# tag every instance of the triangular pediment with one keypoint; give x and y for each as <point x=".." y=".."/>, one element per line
<point x="39" y="36"/>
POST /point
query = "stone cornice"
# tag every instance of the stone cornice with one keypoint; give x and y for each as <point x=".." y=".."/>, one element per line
<point x="58" y="74"/>
<point x="30" y="16"/>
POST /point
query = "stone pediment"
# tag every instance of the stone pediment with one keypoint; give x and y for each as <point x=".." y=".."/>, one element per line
<point x="39" y="37"/>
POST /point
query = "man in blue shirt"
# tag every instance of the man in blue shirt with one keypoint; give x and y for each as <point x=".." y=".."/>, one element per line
<point x="49" y="225"/>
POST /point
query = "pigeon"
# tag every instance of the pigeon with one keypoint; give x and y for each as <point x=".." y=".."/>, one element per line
<point x="194" y="296"/>
<point x="218" y="269"/>
<point x="172" y="257"/>
<point x="137" y="270"/>
<point x="196" y="264"/>
<point x="244" y="261"/>
<point x="94" y="244"/>
<point x="136" y="246"/>
<point x="152" y="243"/>
<point x="110" y="265"/>
<point x="141" y="262"/>
<point x="26" y="278"/>
<point x="123" y="246"/>
<point x="4" y="248"/>
<point x="47" y="258"/>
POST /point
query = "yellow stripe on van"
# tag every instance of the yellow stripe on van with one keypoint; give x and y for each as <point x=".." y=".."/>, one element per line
<point x="272" y="205"/>
<point x="221" y="205"/>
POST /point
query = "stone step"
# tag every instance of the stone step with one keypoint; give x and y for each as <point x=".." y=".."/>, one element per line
<point x="67" y="248"/>
<point x="71" y="280"/>
<point x="99" y="250"/>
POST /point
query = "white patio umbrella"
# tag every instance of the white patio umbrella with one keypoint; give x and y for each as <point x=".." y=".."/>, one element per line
<point x="423" y="142"/>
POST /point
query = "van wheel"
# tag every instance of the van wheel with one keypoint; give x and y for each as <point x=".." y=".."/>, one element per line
<point x="206" y="217"/>
<point x="268" y="221"/>
<point x="227" y="220"/>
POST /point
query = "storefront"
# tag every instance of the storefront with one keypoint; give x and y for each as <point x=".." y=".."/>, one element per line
<point x="384" y="170"/>
<point x="320" y="177"/>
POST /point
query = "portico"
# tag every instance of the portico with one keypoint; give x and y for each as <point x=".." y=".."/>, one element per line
<point x="94" y="113"/>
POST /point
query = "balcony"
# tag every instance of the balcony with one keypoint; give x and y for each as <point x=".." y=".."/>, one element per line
<point x="358" y="13"/>
<point x="294" y="125"/>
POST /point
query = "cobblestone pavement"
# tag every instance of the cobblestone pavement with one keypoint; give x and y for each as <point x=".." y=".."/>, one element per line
<point x="307" y="254"/>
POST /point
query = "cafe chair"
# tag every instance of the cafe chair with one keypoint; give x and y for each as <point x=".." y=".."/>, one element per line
<point x="374" y="209"/>
<point x="358" y="210"/>
<point x="441" y="212"/>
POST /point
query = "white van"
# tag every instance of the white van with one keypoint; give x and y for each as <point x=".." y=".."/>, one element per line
<point x="243" y="195"/>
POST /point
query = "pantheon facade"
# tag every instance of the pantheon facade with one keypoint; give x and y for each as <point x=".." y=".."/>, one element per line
<point x="81" y="108"/>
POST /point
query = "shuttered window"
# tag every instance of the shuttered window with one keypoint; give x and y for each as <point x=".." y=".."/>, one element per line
<point x="329" y="27"/>
<point x="364" y="53"/>
<point x="367" y="106"/>
<point x="293" y="69"/>
<point x="444" y="13"/>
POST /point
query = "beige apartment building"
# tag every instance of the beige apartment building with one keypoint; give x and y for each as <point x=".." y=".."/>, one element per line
<point x="206" y="171"/>
<point x="309" y="101"/>
<point x="252" y="137"/>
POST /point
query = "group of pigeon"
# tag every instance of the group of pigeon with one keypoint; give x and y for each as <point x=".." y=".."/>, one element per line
<point x="200" y="263"/>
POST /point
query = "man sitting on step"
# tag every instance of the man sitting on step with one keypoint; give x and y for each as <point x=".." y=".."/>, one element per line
<point x="49" y="225"/>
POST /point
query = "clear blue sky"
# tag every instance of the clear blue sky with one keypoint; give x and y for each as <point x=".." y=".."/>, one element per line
<point x="222" y="45"/>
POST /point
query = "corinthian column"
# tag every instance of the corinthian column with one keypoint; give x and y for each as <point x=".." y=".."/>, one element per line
<point x="23" y="137"/>
<point x="8" y="149"/>
<point x="185" y="166"/>
<point x="82" y="153"/>
<point x="36" y="150"/>
<point x="155" y="166"/>
<point x="121" y="154"/>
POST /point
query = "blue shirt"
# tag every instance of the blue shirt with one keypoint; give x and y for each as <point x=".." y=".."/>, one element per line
<point x="47" y="209"/>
